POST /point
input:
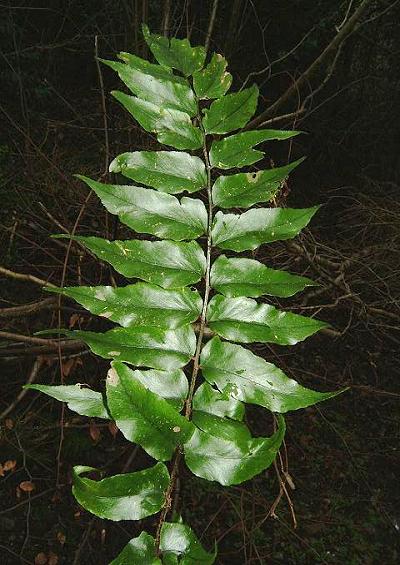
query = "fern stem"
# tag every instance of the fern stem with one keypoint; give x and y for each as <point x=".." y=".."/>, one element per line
<point x="196" y="359"/>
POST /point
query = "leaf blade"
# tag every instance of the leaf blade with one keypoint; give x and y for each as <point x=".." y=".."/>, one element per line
<point x="249" y="230"/>
<point x="235" y="277"/>
<point x="167" y="171"/>
<point x="231" y="112"/>
<point x="131" y="496"/>
<point x="140" y="304"/>
<point x="207" y="399"/>
<point x="180" y="540"/>
<point x="223" y="451"/>
<point x="213" y="81"/>
<point x="245" y="189"/>
<point x="172" y="127"/>
<point x="165" y="263"/>
<point x="152" y="83"/>
<point x="251" y="379"/>
<point x="237" y="149"/>
<point x="141" y="549"/>
<point x="244" y="320"/>
<point x="175" y="53"/>
<point x="144" y="417"/>
<point x="149" y="211"/>
<point x="144" y="346"/>
<point x="79" y="399"/>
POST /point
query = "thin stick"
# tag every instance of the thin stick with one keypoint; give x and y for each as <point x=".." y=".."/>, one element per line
<point x="27" y="339"/>
<point x="103" y="106"/>
<point x="67" y="347"/>
<point x="26" y="309"/>
<point x="211" y="25"/>
<point x="167" y="11"/>
<point x="23" y="277"/>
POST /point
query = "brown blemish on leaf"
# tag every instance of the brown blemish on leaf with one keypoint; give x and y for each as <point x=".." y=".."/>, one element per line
<point x="253" y="177"/>
<point x="112" y="377"/>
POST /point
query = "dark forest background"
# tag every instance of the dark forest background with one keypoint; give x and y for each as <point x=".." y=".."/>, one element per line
<point x="57" y="119"/>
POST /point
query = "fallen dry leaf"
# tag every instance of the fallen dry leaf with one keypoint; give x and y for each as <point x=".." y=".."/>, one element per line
<point x="41" y="559"/>
<point x="53" y="558"/>
<point x="112" y="428"/>
<point x="74" y="319"/>
<point x="27" y="486"/>
<point x="9" y="423"/>
<point x="94" y="432"/>
<point x="69" y="366"/>
<point x="10" y="465"/>
<point x="61" y="537"/>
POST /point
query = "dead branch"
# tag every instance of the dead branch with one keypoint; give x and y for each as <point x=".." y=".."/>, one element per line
<point x="336" y="42"/>
<point x="25" y="277"/>
<point x="27" y="309"/>
<point x="211" y="25"/>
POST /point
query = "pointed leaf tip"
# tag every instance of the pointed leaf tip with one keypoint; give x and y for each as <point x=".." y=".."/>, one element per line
<point x="253" y="380"/>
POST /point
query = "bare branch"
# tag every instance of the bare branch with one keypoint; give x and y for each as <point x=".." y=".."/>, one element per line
<point x="26" y="309"/>
<point x="341" y="36"/>
<point x="211" y="25"/>
<point x="23" y="277"/>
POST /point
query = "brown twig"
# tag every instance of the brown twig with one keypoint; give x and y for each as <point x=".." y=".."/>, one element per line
<point x="24" y="277"/>
<point x="27" y="309"/>
<point x="211" y="25"/>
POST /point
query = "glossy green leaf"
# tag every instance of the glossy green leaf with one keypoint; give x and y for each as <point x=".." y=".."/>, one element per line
<point x="178" y="545"/>
<point x="139" y="550"/>
<point x="79" y="399"/>
<point x="175" y="53"/>
<point x="262" y="225"/>
<point x="166" y="263"/>
<point x="231" y="112"/>
<point x="150" y="211"/>
<point x="167" y="171"/>
<point x="172" y="127"/>
<point x="250" y="379"/>
<point x="171" y="385"/>
<point x="247" y="277"/>
<point x="213" y="81"/>
<point x="207" y="399"/>
<point x="237" y="150"/>
<point x="143" y="346"/>
<point x="246" y="321"/>
<point x="223" y="450"/>
<point x="139" y="304"/>
<point x="154" y="84"/>
<point x="245" y="189"/>
<point x="144" y="417"/>
<point x="180" y="540"/>
<point x="131" y="496"/>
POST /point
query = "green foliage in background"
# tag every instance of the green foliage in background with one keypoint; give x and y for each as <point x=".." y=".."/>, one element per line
<point x="179" y="380"/>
